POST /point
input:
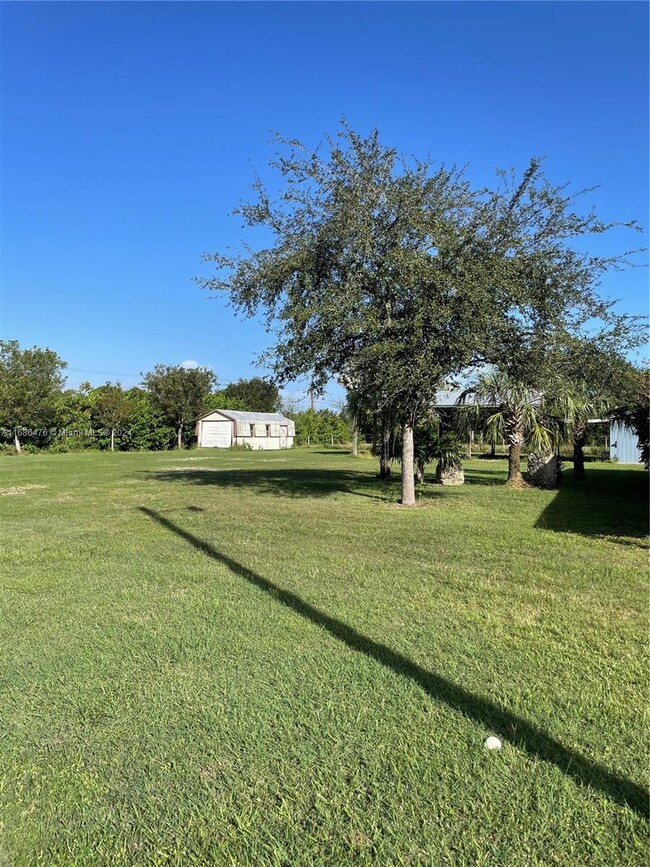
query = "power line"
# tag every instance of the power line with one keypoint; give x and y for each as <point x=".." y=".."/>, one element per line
<point x="103" y="372"/>
<point x="129" y="375"/>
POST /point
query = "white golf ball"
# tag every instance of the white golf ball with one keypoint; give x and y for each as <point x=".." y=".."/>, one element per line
<point x="492" y="743"/>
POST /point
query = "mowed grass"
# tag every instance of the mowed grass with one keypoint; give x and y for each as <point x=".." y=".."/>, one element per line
<point x="235" y="658"/>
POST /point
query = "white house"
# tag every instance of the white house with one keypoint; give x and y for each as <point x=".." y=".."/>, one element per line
<point x="222" y="428"/>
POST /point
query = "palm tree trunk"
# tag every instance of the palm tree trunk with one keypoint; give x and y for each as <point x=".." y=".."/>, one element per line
<point x="179" y="436"/>
<point x="514" y="434"/>
<point x="384" y="460"/>
<point x="579" y="456"/>
<point x="515" y="478"/>
<point x="355" y="434"/>
<point x="408" y="481"/>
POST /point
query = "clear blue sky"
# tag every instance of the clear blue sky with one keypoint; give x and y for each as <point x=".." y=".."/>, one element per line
<point x="130" y="131"/>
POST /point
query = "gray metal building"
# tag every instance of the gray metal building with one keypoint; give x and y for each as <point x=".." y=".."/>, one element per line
<point x="623" y="444"/>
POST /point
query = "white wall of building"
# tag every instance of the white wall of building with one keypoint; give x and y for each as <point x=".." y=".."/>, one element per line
<point x="624" y="444"/>
<point x="216" y="430"/>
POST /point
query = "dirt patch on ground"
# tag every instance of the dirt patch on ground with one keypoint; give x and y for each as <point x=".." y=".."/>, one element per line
<point x="18" y="489"/>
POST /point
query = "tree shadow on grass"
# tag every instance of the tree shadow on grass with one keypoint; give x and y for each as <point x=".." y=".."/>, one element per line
<point x="608" y="503"/>
<point x="281" y="482"/>
<point x="496" y="476"/>
<point x="516" y="730"/>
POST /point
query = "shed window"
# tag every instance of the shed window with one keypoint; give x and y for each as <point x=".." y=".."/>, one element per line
<point x="252" y="430"/>
<point x="268" y="430"/>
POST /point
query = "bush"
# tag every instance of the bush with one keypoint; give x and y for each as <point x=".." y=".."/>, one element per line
<point x="320" y="426"/>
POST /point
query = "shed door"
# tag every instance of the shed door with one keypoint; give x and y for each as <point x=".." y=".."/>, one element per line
<point x="284" y="429"/>
<point x="216" y="434"/>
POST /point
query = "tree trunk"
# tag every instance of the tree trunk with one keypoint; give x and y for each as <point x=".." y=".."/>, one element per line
<point x="384" y="460"/>
<point x="355" y="434"/>
<point x="493" y="450"/>
<point x="544" y="469"/>
<point x="515" y="478"/>
<point x="408" y="481"/>
<point x="17" y="442"/>
<point x="112" y="439"/>
<point x="179" y="436"/>
<point x="578" y="457"/>
<point x="513" y="429"/>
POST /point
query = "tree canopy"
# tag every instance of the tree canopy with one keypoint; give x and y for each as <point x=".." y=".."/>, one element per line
<point x="112" y="408"/>
<point x="180" y="393"/>
<point x="396" y="274"/>
<point x="255" y="395"/>
<point x="30" y="383"/>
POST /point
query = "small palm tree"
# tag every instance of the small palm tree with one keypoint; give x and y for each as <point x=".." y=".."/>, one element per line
<point x="571" y="411"/>
<point x="517" y="417"/>
<point x="446" y="449"/>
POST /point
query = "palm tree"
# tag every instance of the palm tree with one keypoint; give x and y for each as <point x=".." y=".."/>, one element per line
<point x="571" y="411"/>
<point x="445" y="449"/>
<point x="516" y="416"/>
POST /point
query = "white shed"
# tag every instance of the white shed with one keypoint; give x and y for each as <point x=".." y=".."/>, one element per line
<point x="623" y="444"/>
<point x="222" y="428"/>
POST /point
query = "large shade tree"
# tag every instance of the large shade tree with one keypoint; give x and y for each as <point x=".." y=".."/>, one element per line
<point x="377" y="272"/>
<point x="180" y="393"/>
<point x="396" y="274"/>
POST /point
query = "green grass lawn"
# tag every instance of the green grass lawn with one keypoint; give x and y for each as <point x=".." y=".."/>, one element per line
<point x="236" y="658"/>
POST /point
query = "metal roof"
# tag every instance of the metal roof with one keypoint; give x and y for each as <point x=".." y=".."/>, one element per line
<point x="451" y="399"/>
<point x="448" y="398"/>
<point x="242" y="415"/>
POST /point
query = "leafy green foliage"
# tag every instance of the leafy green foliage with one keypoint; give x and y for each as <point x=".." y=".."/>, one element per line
<point x="148" y="429"/>
<point x="516" y="416"/>
<point x="220" y="400"/>
<point x="180" y="393"/>
<point x="74" y="422"/>
<point x="112" y="408"/>
<point x="446" y="449"/>
<point x="253" y="395"/>
<point x="394" y="275"/>
<point x="30" y="384"/>
<point x="320" y="426"/>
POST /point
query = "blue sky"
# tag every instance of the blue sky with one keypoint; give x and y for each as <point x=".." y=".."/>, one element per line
<point x="130" y="131"/>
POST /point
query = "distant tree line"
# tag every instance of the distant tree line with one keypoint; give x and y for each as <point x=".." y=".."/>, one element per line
<point x="37" y="412"/>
